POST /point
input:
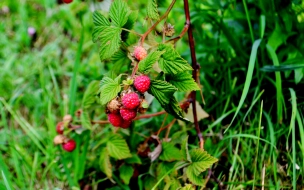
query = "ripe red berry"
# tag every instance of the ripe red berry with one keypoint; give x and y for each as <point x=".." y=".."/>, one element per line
<point x="139" y="53"/>
<point x="131" y="100"/>
<point x="142" y="83"/>
<point x="115" y="119"/>
<point x="67" y="1"/>
<point x="60" y="127"/>
<point x="128" y="114"/>
<point x="69" y="146"/>
<point x="126" y="124"/>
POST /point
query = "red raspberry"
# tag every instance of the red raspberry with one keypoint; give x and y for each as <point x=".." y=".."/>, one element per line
<point x="115" y="119"/>
<point x="69" y="146"/>
<point x="131" y="100"/>
<point x="142" y="83"/>
<point x="127" y="114"/>
<point x="60" y="127"/>
<point x="139" y="53"/>
<point x="126" y="124"/>
<point x="67" y="1"/>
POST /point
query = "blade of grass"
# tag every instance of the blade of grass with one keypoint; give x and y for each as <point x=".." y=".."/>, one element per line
<point x="249" y="136"/>
<point x="252" y="104"/>
<point x="65" y="161"/>
<point x="263" y="25"/>
<point x="234" y="162"/>
<point x="249" y="74"/>
<point x="258" y="143"/>
<point x="274" y="68"/>
<point x="292" y="126"/>
<point x="271" y="131"/>
<point x="83" y="156"/>
<point x="6" y="182"/>
<point x="280" y="99"/>
<point x="34" y="169"/>
<point x="301" y="129"/>
<point x="5" y="174"/>
<point x="30" y="131"/>
<point x="220" y="119"/>
<point x="73" y="84"/>
<point x="248" y="20"/>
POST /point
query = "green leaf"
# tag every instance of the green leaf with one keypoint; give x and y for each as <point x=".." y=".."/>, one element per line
<point x="162" y="91"/>
<point x="201" y="161"/>
<point x="183" y="82"/>
<point x="104" y="163"/>
<point x="118" y="147"/>
<point x="174" y="184"/>
<point x="85" y="120"/>
<point x="171" y="62"/>
<point x="133" y="160"/>
<point x="99" y="19"/>
<point x="170" y="152"/>
<point x="163" y="168"/>
<point x="195" y="179"/>
<point x="119" y="59"/>
<point x="146" y="64"/>
<point x="119" y="13"/>
<point x="125" y="173"/>
<point x="185" y="150"/>
<point x="152" y="11"/>
<point x="109" y="42"/>
<point x="174" y="109"/>
<point x="108" y="90"/>
<point x="187" y="187"/>
<point x="129" y="25"/>
<point x="89" y="97"/>
<point x="101" y="23"/>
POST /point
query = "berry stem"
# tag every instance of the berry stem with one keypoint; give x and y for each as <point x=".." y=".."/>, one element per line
<point x="195" y="67"/>
<point x="134" y="70"/>
<point x="185" y="29"/>
<point x="132" y="31"/>
<point x="169" y="128"/>
<point x="157" y="22"/>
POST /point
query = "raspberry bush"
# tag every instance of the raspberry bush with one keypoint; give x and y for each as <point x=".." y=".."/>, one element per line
<point x="145" y="70"/>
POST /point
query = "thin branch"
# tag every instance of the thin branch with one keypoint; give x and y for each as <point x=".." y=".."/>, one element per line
<point x="132" y="31"/>
<point x="157" y="22"/>
<point x="169" y="125"/>
<point x="211" y="174"/>
<point x="150" y="115"/>
<point x="195" y="67"/>
<point x="185" y="29"/>
<point x="169" y="128"/>
<point x="162" y="124"/>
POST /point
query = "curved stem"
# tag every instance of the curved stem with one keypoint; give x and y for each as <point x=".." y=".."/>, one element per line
<point x="195" y="67"/>
<point x="132" y="31"/>
<point x="134" y="70"/>
<point x="157" y="22"/>
<point x="185" y="29"/>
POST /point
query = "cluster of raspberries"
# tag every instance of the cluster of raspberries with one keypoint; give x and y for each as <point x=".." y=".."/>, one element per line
<point x="67" y="144"/>
<point x="122" y="110"/>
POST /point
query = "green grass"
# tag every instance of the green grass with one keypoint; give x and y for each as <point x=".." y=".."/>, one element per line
<point x="256" y="117"/>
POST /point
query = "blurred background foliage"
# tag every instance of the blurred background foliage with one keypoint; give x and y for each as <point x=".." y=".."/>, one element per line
<point x="39" y="45"/>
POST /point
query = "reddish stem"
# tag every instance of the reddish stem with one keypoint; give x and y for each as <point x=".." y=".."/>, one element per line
<point x="195" y="67"/>
<point x="185" y="29"/>
<point x="156" y="23"/>
<point x="150" y="115"/>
